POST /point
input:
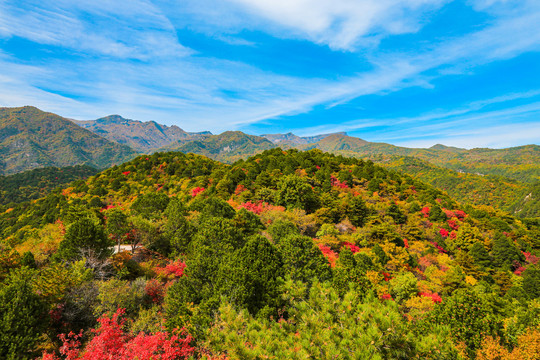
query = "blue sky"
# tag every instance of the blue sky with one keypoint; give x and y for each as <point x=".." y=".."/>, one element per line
<point x="412" y="73"/>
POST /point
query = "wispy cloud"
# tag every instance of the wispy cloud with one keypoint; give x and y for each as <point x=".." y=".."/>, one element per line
<point x="470" y="124"/>
<point x="137" y="30"/>
<point x="340" y="24"/>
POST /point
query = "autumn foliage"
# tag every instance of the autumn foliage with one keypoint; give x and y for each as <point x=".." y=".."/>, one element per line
<point x="110" y="341"/>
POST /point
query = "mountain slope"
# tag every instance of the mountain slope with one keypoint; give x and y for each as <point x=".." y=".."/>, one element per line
<point x="528" y="205"/>
<point x="31" y="138"/>
<point x="141" y="136"/>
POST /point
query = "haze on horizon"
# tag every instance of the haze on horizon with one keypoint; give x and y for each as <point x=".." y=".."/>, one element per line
<point x="412" y="73"/>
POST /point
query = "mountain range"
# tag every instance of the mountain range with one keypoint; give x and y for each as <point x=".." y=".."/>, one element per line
<point x="30" y="138"/>
<point x="144" y="137"/>
<point x="521" y="163"/>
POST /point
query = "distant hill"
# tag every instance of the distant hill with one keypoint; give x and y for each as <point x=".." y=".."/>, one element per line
<point x="144" y="137"/>
<point x="227" y="147"/>
<point x="31" y="138"/>
<point x="521" y="163"/>
<point x="492" y="190"/>
<point x="37" y="183"/>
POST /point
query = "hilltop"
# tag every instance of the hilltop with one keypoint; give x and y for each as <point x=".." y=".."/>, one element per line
<point x="31" y="138"/>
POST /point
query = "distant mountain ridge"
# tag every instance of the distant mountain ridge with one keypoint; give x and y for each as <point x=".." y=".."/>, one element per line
<point x="518" y="163"/>
<point x="290" y="139"/>
<point x="141" y="136"/>
<point x="31" y="138"/>
<point x="226" y="147"/>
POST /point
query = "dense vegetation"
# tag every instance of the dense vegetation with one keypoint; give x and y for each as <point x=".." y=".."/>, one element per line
<point x="286" y="255"/>
<point x="520" y="163"/>
<point x="37" y="183"/>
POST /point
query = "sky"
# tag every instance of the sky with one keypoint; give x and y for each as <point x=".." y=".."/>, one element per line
<point x="413" y="73"/>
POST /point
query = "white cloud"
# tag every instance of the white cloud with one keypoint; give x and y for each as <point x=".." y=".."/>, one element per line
<point x="341" y="24"/>
<point x="135" y="30"/>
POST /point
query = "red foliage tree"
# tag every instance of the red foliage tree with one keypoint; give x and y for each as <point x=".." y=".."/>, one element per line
<point x="196" y="191"/>
<point x="330" y="255"/>
<point x="111" y="342"/>
<point x="174" y="269"/>
<point x="387" y="276"/>
<point x="434" y="296"/>
<point x="438" y="247"/>
<point x="530" y="258"/>
<point x="443" y="232"/>
<point x="453" y="224"/>
<point x="239" y="189"/>
<point x="335" y="182"/>
<point x="353" y="247"/>
<point x="256" y="207"/>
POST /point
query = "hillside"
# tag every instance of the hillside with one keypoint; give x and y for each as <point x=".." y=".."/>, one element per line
<point x="37" y="183"/>
<point x="496" y="177"/>
<point x="282" y="254"/>
<point x="528" y="203"/>
<point x="31" y="138"/>
<point x="144" y="137"/>
<point x="227" y="147"/>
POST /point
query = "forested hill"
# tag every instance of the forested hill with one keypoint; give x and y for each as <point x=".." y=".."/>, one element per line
<point x="285" y="255"/>
<point x="518" y="163"/>
<point x="31" y="138"/>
